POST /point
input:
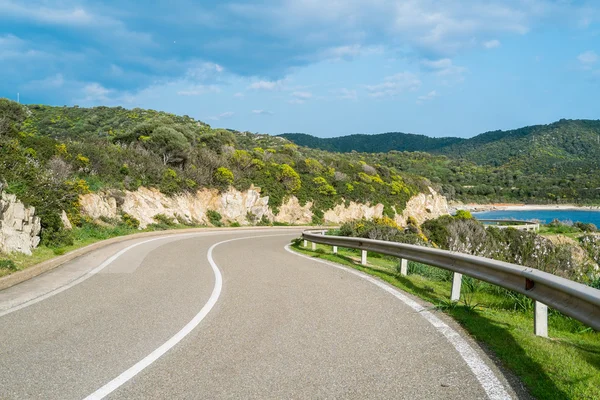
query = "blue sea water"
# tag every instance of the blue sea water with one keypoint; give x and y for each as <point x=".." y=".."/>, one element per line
<point x="543" y="215"/>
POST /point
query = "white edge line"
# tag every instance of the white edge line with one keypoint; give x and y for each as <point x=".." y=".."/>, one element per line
<point x="486" y="377"/>
<point x="156" y="354"/>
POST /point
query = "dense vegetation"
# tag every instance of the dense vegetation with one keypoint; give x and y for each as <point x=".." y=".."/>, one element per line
<point x="380" y="143"/>
<point x="51" y="155"/>
<point x="539" y="164"/>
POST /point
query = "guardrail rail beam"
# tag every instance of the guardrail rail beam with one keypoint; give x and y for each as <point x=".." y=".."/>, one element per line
<point x="573" y="299"/>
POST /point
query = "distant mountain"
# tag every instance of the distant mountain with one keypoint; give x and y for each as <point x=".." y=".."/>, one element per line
<point x="534" y="147"/>
<point x="380" y="143"/>
<point x="568" y="144"/>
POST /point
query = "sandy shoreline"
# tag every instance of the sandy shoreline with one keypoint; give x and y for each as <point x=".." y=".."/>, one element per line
<point x="520" y="207"/>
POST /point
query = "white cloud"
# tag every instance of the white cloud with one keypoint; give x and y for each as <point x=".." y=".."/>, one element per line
<point x="302" y="95"/>
<point x="446" y="69"/>
<point x="427" y="97"/>
<point x="197" y="90"/>
<point x="432" y="27"/>
<point x="394" y="85"/>
<point x="491" y="44"/>
<point x="266" y="85"/>
<point x="95" y="93"/>
<point x="346" y="94"/>
<point x="239" y="95"/>
<point x="262" y="112"/>
<point x="225" y="115"/>
<point x="51" y="82"/>
<point x="588" y="59"/>
<point x="52" y="15"/>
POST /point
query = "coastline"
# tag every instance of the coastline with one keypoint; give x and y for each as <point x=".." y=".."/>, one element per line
<point x="473" y="207"/>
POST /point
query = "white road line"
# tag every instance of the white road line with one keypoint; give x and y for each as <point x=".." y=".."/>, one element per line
<point x="490" y="383"/>
<point x="89" y="274"/>
<point x="156" y="354"/>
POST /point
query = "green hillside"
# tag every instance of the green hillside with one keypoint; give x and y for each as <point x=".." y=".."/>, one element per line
<point x="380" y="143"/>
<point x="553" y="163"/>
<point x="566" y="144"/>
<point x="50" y="155"/>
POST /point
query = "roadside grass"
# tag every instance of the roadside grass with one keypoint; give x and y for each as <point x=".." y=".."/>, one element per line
<point x="566" y="366"/>
<point x="569" y="231"/>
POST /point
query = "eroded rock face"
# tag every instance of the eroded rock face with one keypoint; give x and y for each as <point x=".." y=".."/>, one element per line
<point x="144" y="204"/>
<point x="340" y="213"/>
<point x="243" y="207"/>
<point x="423" y="207"/>
<point x="291" y="212"/>
<point x="19" y="227"/>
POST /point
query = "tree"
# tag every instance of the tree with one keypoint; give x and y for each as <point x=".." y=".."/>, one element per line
<point x="170" y="144"/>
<point x="223" y="176"/>
<point x="289" y="178"/>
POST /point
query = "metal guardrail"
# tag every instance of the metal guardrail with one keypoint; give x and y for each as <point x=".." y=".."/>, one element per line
<point x="510" y="223"/>
<point x="571" y="298"/>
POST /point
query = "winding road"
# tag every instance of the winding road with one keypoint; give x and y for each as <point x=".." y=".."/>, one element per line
<point x="229" y="315"/>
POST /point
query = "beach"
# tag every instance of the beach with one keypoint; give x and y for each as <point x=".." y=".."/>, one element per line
<point x="473" y="207"/>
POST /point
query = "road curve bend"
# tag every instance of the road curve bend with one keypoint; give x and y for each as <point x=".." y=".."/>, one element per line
<point x="232" y="314"/>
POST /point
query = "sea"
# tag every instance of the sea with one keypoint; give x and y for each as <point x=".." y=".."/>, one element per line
<point x="544" y="216"/>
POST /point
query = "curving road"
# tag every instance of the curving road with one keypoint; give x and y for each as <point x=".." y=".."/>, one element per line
<point x="228" y="315"/>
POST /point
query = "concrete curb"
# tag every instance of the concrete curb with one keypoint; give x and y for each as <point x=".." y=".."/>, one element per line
<point x="45" y="266"/>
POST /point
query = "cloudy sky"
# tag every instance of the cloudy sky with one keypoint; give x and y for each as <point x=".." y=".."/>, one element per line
<point x="325" y="67"/>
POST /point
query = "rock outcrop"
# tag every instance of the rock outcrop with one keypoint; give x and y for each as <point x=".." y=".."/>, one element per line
<point x="243" y="207"/>
<point x="291" y="212"/>
<point x="19" y="227"/>
<point x="423" y="207"/>
<point x="188" y="208"/>
<point x="340" y="213"/>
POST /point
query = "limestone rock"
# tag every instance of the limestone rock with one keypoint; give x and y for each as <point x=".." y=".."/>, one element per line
<point x="65" y="221"/>
<point x="340" y="213"/>
<point x="423" y="207"/>
<point x="19" y="227"/>
<point x="244" y="207"/>
<point x="291" y="212"/>
<point x="145" y="203"/>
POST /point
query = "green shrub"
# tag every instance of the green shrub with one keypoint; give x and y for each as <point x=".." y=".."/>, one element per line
<point x="56" y="238"/>
<point x="9" y="265"/>
<point x="223" y="177"/>
<point x="214" y="218"/>
<point x="163" y="219"/>
<point x="463" y="214"/>
<point x="130" y="221"/>
<point x="589" y="227"/>
<point x="235" y="224"/>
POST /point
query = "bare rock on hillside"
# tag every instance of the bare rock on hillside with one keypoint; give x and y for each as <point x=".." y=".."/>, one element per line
<point x="19" y="227"/>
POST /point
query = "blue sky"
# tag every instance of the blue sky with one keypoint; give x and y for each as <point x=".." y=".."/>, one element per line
<point x="328" y="68"/>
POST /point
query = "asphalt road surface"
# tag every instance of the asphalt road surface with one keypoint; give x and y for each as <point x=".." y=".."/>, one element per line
<point x="229" y="315"/>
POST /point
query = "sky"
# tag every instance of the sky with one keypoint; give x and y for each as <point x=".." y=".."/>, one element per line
<point x="323" y="67"/>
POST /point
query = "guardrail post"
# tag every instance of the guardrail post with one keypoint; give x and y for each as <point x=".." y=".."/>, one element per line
<point x="334" y="249"/>
<point x="403" y="267"/>
<point x="456" y="284"/>
<point x="540" y="319"/>
<point x="314" y="246"/>
<point x="363" y="257"/>
<point x="305" y="243"/>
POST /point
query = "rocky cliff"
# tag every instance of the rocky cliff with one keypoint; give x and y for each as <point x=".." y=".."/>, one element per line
<point x="423" y="207"/>
<point x="19" y="227"/>
<point x="245" y="207"/>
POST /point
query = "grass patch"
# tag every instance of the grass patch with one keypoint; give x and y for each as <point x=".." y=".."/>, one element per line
<point x="567" y="366"/>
